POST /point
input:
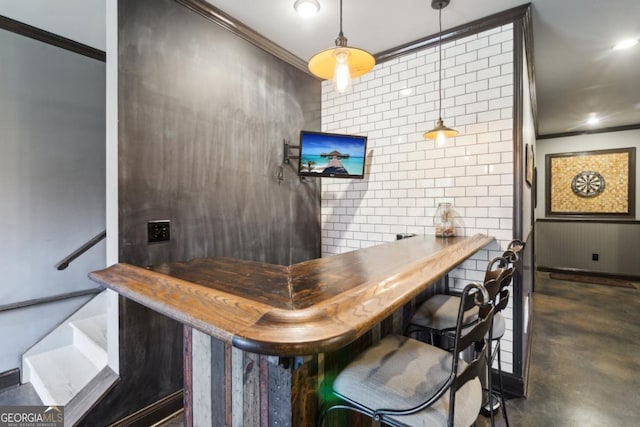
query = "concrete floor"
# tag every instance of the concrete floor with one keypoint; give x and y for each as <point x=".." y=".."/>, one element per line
<point x="22" y="395"/>
<point x="585" y="360"/>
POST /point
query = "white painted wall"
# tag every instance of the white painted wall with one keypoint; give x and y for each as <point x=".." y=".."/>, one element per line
<point x="528" y="138"/>
<point x="113" y="336"/>
<point x="52" y="180"/>
<point x="82" y="21"/>
<point x="528" y="216"/>
<point x="407" y="176"/>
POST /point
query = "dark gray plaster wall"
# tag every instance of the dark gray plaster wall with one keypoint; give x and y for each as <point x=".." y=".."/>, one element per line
<point x="202" y="116"/>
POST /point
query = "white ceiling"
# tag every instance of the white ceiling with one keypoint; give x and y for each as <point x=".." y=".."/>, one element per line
<point x="576" y="71"/>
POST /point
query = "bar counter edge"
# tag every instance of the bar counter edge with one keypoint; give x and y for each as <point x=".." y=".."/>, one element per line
<point x="332" y="300"/>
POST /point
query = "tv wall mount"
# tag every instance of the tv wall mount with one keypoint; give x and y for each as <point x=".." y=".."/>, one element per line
<point x="286" y="159"/>
<point x="287" y="147"/>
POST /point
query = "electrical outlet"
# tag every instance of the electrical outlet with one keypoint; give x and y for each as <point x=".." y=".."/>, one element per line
<point x="594" y="257"/>
<point x="158" y="231"/>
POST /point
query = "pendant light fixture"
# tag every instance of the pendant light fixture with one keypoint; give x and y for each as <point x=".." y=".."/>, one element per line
<point x="440" y="133"/>
<point x="341" y="63"/>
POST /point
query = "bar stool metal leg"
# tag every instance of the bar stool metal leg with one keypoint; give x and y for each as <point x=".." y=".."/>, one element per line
<point x="503" y="401"/>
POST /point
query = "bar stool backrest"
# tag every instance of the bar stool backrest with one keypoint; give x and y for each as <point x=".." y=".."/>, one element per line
<point x="467" y="336"/>
<point x="495" y="267"/>
<point x="514" y="248"/>
<point x="511" y="256"/>
<point x="503" y="300"/>
<point x="495" y="276"/>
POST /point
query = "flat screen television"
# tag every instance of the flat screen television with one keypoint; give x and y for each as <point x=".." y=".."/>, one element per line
<point x="331" y="155"/>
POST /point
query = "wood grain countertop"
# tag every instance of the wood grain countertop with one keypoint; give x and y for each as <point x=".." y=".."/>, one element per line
<point x="310" y="307"/>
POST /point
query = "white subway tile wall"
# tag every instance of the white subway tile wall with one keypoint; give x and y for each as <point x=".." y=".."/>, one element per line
<point x="406" y="176"/>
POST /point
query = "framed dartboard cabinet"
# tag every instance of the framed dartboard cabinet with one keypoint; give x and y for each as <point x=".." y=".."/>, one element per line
<point x="591" y="183"/>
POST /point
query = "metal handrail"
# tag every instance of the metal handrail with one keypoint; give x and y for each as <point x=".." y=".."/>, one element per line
<point x="49" y="299"/>
<point x="82" y="249"/>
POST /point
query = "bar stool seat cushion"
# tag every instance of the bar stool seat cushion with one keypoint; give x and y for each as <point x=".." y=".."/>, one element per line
<point x="441" y="312"/>
<point x="400" y="373"/>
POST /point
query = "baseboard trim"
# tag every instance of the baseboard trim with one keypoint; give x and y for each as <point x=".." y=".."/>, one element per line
<point x="513" y="386"/>
<point x="169" y="418"/>
<point x="588" y="272"/>
<point x="527" y="357"/>
<point x="153" y="413"/>
<point x="90" y="396"/>
<point x="9" y="379"/>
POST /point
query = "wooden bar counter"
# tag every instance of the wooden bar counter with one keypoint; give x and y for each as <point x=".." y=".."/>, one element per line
<point x="246" y="309"/>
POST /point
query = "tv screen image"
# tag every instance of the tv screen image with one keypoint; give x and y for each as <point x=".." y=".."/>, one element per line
<point x="332" y="155"/>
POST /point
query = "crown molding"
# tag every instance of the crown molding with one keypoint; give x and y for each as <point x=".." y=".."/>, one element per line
<point x="34" y="33"/>
<point x="455" y="33"/>
<point x="589" y="131"/>
<point x="229" y="23"/>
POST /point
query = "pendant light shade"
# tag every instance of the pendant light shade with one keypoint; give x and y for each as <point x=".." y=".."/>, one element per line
<point x="341" y="63"/>
<point x="440" y="133"/>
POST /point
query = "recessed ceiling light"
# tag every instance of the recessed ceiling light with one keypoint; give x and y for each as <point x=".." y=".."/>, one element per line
<point x="625" y="44"/>
<point x="593" y="120"/>
<point x="306" y="8"/>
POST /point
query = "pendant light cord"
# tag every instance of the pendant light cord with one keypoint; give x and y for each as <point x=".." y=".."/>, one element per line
<point x="341" y="40"/>
<point x="439" y="64"/>
<point x="341" y="34"/>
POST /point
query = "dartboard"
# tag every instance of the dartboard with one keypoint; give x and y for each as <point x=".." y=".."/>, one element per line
<point x="587" y="184"/>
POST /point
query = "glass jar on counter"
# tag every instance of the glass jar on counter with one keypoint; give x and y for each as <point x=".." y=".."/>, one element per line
<point x="443" y="220"/>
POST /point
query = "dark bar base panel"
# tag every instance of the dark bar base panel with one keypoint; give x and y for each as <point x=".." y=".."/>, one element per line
<point x="187" y="375"/>
<point x="256" y="390"/>
<point x="234" y="387"/>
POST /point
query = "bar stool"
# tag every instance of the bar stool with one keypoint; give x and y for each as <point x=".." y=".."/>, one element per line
<point x="437" y="315"/>
<point x="498" y="329"/>
<point x="404" y="382"/>
<point x="434" y="316"/>
<point x="500" y="299"/>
